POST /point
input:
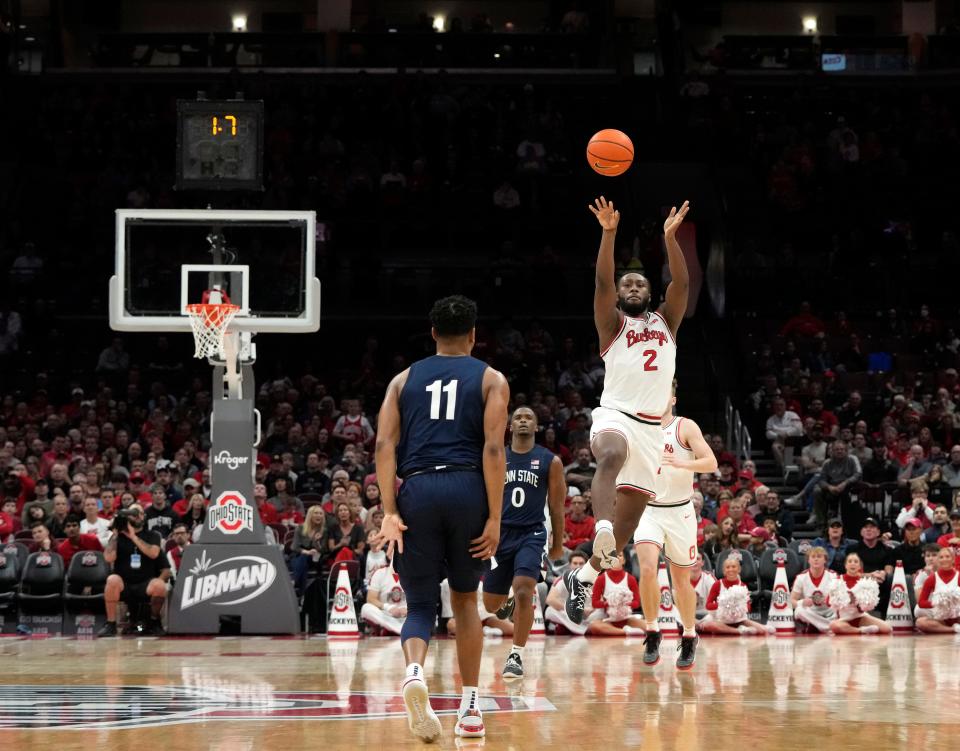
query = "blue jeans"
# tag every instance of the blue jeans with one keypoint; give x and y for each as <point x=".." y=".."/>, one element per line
<point x="300" y="565"/>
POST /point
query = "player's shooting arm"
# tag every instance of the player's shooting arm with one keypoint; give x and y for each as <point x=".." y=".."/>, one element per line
<point x="606" y="316"/>
<point x="675" y="302"/>
<point x="556" y="495"/>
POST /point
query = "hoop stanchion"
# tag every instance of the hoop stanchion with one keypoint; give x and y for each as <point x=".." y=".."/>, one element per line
<point x="209" y="322"/>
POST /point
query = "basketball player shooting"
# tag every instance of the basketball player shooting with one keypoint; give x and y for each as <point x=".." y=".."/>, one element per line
<point x="441" y="429"/>
<point x="670" y="524"/>
<point x="638" y="347"/>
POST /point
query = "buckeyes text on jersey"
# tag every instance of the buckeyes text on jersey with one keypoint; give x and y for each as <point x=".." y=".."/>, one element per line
<point x="640" y="364"/>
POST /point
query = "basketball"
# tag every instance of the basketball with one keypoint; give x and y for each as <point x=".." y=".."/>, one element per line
<point x="610" y="152"/>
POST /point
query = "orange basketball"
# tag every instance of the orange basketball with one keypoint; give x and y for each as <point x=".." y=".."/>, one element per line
<point x="610" y="152"/>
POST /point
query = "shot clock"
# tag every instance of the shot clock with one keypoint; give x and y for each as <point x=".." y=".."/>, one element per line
<point x="219" y="145"/>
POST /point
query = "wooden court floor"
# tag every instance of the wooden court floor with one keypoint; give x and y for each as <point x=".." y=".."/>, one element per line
<point x="233" y="694"/>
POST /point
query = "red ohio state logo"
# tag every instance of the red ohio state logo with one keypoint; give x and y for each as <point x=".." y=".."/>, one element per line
<point x="230" y="513"/>
<point x="341" y="600"/>
<point x="898" y="596"/>
<point x="780" y="597"/>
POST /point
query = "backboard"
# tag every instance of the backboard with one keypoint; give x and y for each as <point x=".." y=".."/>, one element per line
<point x="167" y="258"/>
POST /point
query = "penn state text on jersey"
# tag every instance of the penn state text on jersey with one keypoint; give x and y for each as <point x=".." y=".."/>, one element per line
<point x="526" y="486"/>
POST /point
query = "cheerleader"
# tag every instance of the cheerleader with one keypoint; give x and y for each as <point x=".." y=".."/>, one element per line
<point x="615" y="595"/>
<point x="730" y="618"/>
<point x="940" y="597"/>
<point x="809" y="593"/>
<point x="851" y="617"/>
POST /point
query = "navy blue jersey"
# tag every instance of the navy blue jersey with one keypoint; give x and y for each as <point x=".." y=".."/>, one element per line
<point x="525" y="491"/>
<point x="441" y="414"/>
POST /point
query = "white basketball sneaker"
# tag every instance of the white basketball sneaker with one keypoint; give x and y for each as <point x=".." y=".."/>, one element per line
<point x="605" y="548"/>
<point x="421" y="718"/>
<point x="470" y="724"/>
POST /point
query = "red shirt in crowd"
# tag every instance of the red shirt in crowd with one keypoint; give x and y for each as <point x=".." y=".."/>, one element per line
<point x="290" y="514"/>
<point x="268" y="514"/>
<point x="712" y="603"/>
<point x="944" y="541"/>
<point x="67" y="549"/>
<point x="615" y="576"/>
<point x="579" y="532"/>
<point x="6" y="525"/>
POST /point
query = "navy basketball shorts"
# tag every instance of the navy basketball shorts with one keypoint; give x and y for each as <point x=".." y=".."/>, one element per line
<point x="520" y="554"/>
<point x="443" y="512"/>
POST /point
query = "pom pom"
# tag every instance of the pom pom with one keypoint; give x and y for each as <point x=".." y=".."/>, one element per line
<point x="946" y="603"/>
<point x="866" y="594"/>
<point x="619" y="604"/>
<point x="838" y="594"/>
<point x="732" y="604"/>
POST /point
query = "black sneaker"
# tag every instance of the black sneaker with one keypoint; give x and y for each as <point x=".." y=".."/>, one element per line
<point x="109" y="629"/>
<point x="651" y="648"/>
<point x="513" y="670"/>
<point x="576" y="596"/>
<point x="506" y="610"/>
<point x="154" y="628"/>
<point x="688" y="652"/>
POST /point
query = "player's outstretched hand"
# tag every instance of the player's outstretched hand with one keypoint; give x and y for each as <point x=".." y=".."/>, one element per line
<point x="675" y="219"/>
<point x="608" y="217"/>
<point x="486" y="544"/>
<point x="391" y="532"/>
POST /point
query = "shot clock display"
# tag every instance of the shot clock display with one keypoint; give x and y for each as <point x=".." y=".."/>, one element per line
<point x="219" y="145"/>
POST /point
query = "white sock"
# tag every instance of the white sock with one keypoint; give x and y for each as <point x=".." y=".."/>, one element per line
<point x="653" y="626"/>
<point x="689" y="632"/>
<point x="603" y="524"/>
<point x="956" y="627"/>
<point x="870" y="630"/>
<point x="633" y="631"/>
<point x="470" y="699"/>
<point x="744" y="629"/>
<point x="415" y="670"/>
<point x="492" y="631"/>
<point x="514" y="649"/>
<point x="587" y="573"/>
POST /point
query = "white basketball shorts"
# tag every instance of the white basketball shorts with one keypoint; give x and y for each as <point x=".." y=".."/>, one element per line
<point x="671" y="528"/>
<point x="644" y="448"/>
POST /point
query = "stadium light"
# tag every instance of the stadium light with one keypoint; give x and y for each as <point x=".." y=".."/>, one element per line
<point x="439" y="22"/>
<point x="239" y="22"/>
<point x="810" y="24"/>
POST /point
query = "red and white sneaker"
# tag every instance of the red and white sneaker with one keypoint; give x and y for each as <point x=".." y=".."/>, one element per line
<point x="421" y="718"/>
<point x="470" y="724"/>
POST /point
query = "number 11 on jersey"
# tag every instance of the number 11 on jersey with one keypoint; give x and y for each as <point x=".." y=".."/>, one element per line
<point x="435" y="390"/>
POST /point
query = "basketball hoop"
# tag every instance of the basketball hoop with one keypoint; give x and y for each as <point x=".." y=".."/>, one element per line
<point x="209" y="322"/>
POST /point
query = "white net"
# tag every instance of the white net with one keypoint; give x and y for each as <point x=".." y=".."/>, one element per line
<point x="209" y="322"/>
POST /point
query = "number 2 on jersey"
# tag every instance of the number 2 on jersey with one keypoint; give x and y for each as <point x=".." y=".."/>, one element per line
<point x="450" y="390"/>
<point x="651" y="355"/>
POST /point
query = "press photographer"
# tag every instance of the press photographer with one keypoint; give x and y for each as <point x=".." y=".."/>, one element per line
<point x="140" y="570"/>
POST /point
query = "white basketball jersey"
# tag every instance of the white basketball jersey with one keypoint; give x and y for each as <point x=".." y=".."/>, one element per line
<point x="806" y="587"/>
<point x="674" y="485"/>
<point x="640" y="364"/>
